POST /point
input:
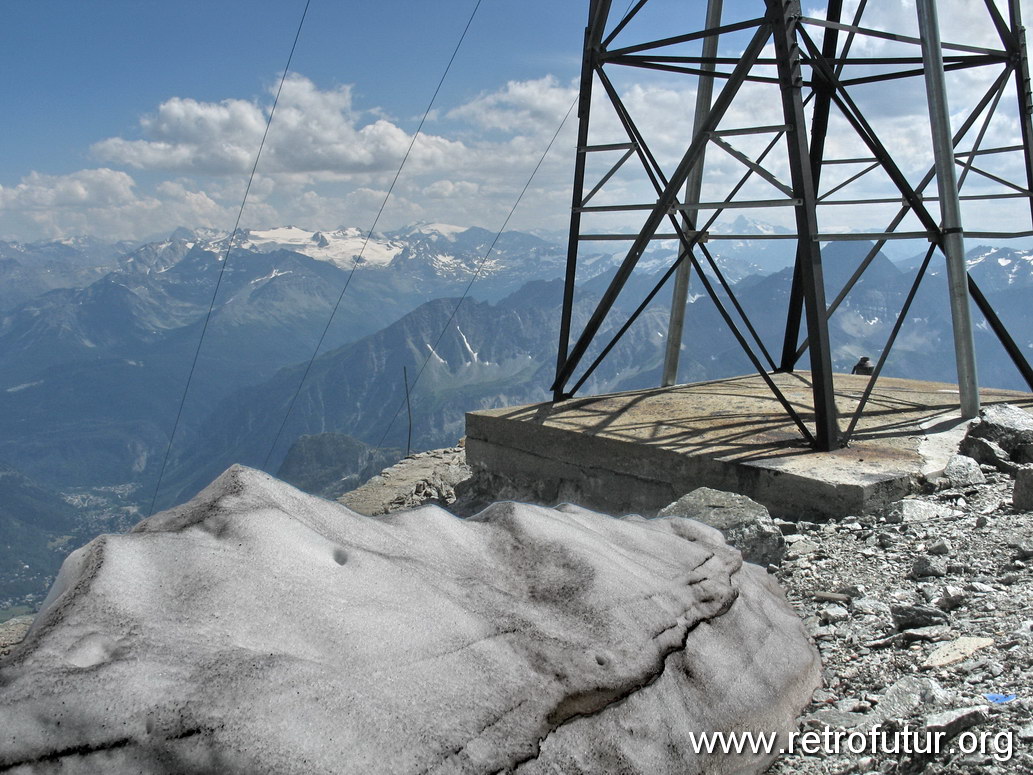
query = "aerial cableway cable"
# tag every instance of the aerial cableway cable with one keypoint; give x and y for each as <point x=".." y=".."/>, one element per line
<point x="411" y="388"/>
<point x="369" y="235"/>
<point x="226" y="257"/>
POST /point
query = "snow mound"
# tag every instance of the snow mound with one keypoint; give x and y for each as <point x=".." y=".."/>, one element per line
<point x="259" y="629"/>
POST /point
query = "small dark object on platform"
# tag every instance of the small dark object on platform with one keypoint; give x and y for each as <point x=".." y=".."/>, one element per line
<point x="863" y="366"/>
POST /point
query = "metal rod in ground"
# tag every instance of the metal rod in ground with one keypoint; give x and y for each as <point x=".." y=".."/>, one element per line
<point x="950" y="208"/>
<point x="408" y="408"/>
<point x="693" y="189"/>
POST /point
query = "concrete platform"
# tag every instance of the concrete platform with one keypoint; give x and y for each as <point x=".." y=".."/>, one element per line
<point x="638" y="451"/>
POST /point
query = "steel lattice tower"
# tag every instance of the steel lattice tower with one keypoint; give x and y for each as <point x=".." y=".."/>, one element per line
<point x="816" y="77"/>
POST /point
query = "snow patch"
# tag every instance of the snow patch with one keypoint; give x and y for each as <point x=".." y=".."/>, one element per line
<point x="23" y="386"/>
<point x="271" y="275"/>
<point x="434" y="353"/>
<point x="469" y="349"/>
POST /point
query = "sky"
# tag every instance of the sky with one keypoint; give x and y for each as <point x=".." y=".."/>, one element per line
<point x="124" y="119"/>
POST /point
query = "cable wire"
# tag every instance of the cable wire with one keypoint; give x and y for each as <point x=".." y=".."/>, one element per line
<point x="225" y="259"/>
<point x="476" y="274"/>
<point x="369" y="234"/>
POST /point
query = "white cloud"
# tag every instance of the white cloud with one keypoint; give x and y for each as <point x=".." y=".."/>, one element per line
<point x="101" y="202"/>
<point x="328" y="161"/>
<point x="531" y="107"/>
<point x="315" y="132"/>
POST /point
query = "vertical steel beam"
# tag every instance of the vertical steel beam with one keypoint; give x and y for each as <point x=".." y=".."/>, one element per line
<point x="819" y="129"/>
<point x="1022" y="88"/>
<point x="953" y="243"/>
<point x="598" y="13"/>
<point x="693" y="189"/>
<point x="784" y="16"/>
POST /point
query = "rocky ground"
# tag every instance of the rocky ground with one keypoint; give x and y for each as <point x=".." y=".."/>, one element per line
<point x="420" y="478"/>
<point x="923" y="614"/>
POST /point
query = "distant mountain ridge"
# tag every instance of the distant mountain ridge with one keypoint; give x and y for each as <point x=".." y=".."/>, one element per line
<point x="95" y="355"/>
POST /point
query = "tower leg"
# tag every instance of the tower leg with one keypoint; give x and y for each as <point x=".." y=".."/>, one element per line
<point x="782" y="14"/>
<point x="950" y="207"/>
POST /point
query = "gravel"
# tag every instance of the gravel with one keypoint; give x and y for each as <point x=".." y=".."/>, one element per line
<point x="937" y="634"/>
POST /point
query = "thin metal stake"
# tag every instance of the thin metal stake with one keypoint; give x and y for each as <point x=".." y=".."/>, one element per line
<point x="408" y="407"/>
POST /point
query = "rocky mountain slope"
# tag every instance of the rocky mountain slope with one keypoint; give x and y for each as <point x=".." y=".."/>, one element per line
<point x="92" y="375"/>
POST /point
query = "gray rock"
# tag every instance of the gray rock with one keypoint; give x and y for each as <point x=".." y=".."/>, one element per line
<point x="913" y="510"/>
<point x="925" y="566"/>
<point x="908" y="617"/>
<point x="908" y="696"/>
<point x="950" y="597"/>
<point x="1006" y="425"/>
<point x="832" y="597"/>
<point x="258" y="629"/>
<point x="431" y="476"/>
<point x="852" y="705"/>
<point x="871" y="607"/>
<point x="886" y="540"/>
<point x="1024" y="630"/>
<point x="13" y="631"/>
<point x="988" y="453"/>
<point x="940" y="547"/>
<point x="980" y="587"/>
<point x="801" y="548"/>
<point x="951" y="722"/>
<point x="743" y="522"/>
<point x="930" y="633"/>
<point x="833" y="718"/>
<point x="963" y="471"/>
<point x="834" y="614"/>
<point x="1023" y="454"/>
<point x="1022" y="496"/>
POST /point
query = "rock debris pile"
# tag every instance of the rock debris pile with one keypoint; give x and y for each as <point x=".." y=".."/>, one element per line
<point x="923" y="616"/>
<point x="425" y="477"/>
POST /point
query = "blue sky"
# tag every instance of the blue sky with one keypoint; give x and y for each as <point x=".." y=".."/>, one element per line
<point x="77" y="72"/>
<point x="127" y="118"/>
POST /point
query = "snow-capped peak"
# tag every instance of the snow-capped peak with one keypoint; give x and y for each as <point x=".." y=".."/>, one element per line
<point x="999" y="267"/>
<point x="433" y="230"/>
<point x="341" y="246"/>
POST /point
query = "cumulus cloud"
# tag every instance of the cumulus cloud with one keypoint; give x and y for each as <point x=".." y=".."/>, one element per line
<point x="101" y="202"/>
<point x="521" y="106"/>
<point x="314" y="132"/>
<point x="329" y="161"/>
<point x="100" y="187"/>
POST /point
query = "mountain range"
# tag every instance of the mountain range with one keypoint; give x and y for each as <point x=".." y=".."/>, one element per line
<point x="95" y="355"/>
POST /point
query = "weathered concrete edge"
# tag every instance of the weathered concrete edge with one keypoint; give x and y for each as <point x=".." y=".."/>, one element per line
<point x="598" y="472"/>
